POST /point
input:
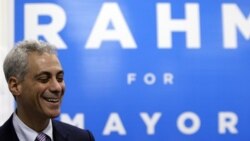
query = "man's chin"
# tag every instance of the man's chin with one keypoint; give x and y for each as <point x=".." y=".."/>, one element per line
<point x="54" y="114"/>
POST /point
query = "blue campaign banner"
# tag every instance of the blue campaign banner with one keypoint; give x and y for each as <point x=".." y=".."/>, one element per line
<point x="149" y="70"/>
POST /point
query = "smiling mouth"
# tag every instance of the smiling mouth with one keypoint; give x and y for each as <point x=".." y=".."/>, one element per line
<point x="53" y="100"/>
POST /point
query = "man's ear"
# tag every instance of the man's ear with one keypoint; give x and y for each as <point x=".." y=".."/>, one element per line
<point x="14" y="86"/>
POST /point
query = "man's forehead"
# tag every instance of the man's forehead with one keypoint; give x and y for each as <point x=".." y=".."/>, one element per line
<point x="37" y="57"/>
<point x="43" y="62"/>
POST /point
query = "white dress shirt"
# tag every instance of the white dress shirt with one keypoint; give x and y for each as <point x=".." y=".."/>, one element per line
<point x="24" y="133"/>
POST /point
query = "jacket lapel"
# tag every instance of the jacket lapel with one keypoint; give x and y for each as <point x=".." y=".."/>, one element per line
<point x="58" y="132"/>
<point x="9" y="132"/>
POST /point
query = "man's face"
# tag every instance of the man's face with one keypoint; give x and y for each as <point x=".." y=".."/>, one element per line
<point x="43" y="87"/>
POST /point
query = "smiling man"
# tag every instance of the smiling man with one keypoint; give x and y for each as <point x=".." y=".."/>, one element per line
<point x="36" y="79"/>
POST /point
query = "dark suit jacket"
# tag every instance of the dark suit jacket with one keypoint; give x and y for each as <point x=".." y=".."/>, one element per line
<point x="61" y="132"/>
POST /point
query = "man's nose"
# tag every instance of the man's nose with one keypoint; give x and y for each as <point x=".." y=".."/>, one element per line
<point x="55" y="86"/>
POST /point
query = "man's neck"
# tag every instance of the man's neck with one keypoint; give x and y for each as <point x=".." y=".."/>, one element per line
<point x="36" y="123"/>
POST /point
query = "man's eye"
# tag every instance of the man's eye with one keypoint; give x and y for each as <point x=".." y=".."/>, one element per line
<point x="43" y="80"/>
<point x="60" y="79"/>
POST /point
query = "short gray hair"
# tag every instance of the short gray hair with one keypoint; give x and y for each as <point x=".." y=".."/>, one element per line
<point x="16" y="61"/>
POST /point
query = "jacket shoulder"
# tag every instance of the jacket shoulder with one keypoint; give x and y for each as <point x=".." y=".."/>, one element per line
<point x="7" y="131"/>
<point x="71" y="132"/>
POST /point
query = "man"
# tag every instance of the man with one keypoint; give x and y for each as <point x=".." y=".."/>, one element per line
<point x="35" y="78"/>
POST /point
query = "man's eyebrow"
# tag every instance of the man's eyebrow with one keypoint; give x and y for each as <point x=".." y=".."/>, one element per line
<point x="42" y="73"/>
<point x="48" y="73"/>
<point x="60" y="72"/>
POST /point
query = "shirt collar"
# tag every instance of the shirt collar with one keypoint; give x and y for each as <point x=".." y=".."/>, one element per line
<point x="28" y="134"/>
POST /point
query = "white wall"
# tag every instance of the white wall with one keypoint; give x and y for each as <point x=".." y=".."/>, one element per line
<point x="6" y="42"/>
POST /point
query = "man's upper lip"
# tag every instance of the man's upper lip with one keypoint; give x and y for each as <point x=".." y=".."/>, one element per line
<point x="52" y="96"/>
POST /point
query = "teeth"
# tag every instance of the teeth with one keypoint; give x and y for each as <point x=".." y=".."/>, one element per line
<point x="52" y="100"/>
